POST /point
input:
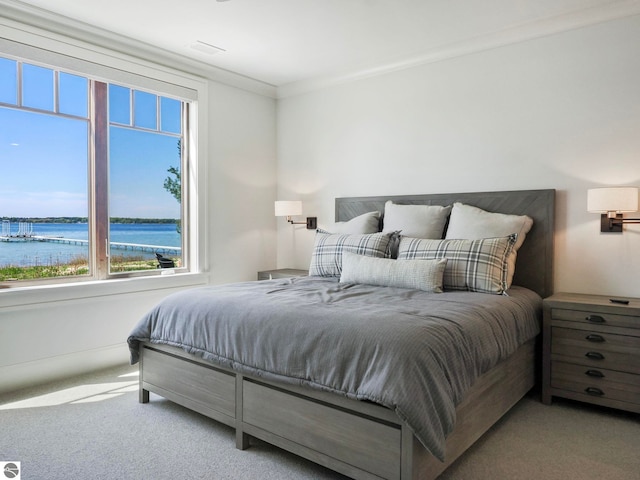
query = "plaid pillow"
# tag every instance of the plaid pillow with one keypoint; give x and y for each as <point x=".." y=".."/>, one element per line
<point x="326" y="260"/>
<point x="473" y="265"/>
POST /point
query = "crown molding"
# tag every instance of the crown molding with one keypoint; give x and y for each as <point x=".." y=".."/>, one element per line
<point x="48" y="23"/>
<point x="517" y="34"/>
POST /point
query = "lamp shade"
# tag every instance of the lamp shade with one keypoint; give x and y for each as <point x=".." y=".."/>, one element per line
<point x="288" y="208"/>
<point x="612" y="199"/>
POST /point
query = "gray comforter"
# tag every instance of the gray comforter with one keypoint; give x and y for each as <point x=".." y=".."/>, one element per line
<point x="414" y="352"/>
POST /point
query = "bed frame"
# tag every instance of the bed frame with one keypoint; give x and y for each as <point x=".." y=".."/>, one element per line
<point x="360" y="439"/>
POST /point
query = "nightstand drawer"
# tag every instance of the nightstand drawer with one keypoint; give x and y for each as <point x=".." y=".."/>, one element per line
<point x="600" y="383"/>
<point x="596" y="339"/>
<point x="592" y="318"/>
<point x="569" y="371"/>
<point x="595" y="357"/>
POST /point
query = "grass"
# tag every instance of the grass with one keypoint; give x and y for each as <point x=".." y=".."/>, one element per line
<point x="76" y="266"/>
<point x="121" y="263"/>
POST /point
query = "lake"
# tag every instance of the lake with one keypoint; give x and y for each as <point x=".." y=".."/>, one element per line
<point x="27" y="253"/>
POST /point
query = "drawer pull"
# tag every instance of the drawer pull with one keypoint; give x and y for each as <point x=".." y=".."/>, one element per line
<point x="594" y="355"/>
<point x="594" y="373"/>
<point x="595" y="319"/>
<point x="595" y="338"/>
<point x="594" y="391"/>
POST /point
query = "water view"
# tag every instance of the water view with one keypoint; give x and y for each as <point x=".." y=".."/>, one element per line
<point x="25" y="252"/>
<point x="49" y="128"/>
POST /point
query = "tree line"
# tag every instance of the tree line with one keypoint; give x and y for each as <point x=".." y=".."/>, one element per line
<point x="85" y="220"/>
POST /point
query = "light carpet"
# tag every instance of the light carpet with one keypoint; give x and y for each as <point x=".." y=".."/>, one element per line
<point x="92" y="427"/>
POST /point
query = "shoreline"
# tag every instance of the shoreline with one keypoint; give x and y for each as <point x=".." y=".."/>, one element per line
<point x="66" y="240"/>
<point x="84" y="220"/>
<point x="78" y="266"/>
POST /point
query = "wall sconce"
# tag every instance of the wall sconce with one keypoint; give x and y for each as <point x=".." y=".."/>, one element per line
<point x="612" y="202"/>
<point x="289" y="208"/>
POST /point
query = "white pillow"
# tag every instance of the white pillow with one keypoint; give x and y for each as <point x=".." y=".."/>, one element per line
<point x="424" y="275"/>
<point x="473" y="223"/>
<point x="417" y="221"/>
<point x="365" y="223"/>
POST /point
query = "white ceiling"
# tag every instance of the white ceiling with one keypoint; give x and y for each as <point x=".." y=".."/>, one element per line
<point x="283" y="42"/>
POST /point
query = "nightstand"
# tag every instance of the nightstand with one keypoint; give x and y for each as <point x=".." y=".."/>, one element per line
<point x="282" y="273"/>
<point x="591" y="350"/>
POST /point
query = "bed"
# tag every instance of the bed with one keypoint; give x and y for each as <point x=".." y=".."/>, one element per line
<point x="362" y="417"/>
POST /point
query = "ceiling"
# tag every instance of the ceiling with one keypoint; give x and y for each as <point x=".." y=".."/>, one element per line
<point x="283" y="42"/>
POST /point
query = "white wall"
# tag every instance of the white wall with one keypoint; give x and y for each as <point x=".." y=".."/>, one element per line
<point x="558" y="112"/>
<point x="242" y="183"/>
<point x="42" y="342"/>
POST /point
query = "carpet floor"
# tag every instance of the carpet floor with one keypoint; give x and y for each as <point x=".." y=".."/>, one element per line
<point x="92" y="427"/>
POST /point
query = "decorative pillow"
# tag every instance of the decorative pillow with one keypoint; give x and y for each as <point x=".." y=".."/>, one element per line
<point x="473" y="223"/>
<point x="417" y="221"/>
<point x="473" y="265"/>
<point x="418" y="274"/>
<point x="365" y="223"/>
<point x="326" y="259"/>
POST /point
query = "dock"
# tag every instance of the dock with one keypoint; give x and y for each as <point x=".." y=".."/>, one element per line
<point x="162" y="249"/>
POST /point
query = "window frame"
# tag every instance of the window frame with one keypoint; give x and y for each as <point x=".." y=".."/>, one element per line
<point x="33" y="45"/>
<point x="101" y="162"/>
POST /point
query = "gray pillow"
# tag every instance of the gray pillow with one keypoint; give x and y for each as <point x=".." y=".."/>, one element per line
<point x="365" y="223"/>
<point x="417" y="274"/>
<point x="416" y="221"/>
<point x="473" y="223"/>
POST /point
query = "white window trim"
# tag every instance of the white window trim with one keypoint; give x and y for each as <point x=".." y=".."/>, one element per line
<point x="83" y="57"/>
<point x="32" y="295"/>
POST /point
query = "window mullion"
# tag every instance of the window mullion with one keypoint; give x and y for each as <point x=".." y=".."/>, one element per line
<point x="185" y="215"/>
<point x="19" y="84"/>
<point x="56" y="92"/>
<point x="100" y="179"/>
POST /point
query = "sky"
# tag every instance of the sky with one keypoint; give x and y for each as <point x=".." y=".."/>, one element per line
<point x="44" y="157"/>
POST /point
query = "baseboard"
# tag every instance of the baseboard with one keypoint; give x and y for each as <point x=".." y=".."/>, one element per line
<point x="29" y="374"/>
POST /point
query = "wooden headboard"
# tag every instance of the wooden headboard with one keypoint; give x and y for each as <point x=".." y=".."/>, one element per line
<point x="534" y="267"/>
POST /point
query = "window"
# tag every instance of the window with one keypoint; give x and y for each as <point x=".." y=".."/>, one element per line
<point x="92" y="183"/>
<point x="145" y="158"/>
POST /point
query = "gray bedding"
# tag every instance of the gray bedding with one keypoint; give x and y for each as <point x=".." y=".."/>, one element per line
<point x="414" y="352"/>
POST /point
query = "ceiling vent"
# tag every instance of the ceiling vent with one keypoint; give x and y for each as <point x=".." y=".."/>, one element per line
<point x="206" y="48"/>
